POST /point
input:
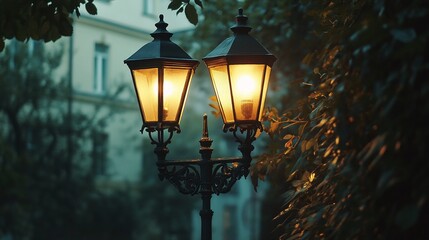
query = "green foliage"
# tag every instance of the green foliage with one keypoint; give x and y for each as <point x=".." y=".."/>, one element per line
<point x="353" y="154"/>
<point x="215" y="27"/>
<point x="46" y="20"/>
<point x="189" y="8"/>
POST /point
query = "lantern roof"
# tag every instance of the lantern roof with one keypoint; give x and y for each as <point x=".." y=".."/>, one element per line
<point x="241" y="44"/>
<point x="161" y="48"/>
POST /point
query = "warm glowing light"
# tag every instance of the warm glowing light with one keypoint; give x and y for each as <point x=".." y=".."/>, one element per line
<point x="168" y="92"/>
<point x="240" y="90"/>
<point x="168" y="89"/>
<point x="247" y="86"/>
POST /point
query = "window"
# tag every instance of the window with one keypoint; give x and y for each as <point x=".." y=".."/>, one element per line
<point x="149" y="8"/>
<point x="100" y="67"/>
<point x="99" y="152"/>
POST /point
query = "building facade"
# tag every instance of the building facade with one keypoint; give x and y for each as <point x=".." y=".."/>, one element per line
<point x="101" y="82"/>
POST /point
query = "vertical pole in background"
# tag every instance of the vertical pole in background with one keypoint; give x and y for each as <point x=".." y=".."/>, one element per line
<point x="70" y="110"/>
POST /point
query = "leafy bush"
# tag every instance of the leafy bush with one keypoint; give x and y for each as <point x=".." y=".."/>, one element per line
<point x="353" y="130"/>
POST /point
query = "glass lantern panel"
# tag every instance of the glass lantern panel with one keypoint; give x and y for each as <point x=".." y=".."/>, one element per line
<point x="146" y="84"/>
<point x="219" y="76"/>
<point x="191" y="73"/>
<point x="175" y="90"/>
<point x="246" y="83"/>
<point x="264" y="91"/>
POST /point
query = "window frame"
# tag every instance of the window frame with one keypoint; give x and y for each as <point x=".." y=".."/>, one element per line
<point x="149" y="8"/>
<point x="101" y="62"/>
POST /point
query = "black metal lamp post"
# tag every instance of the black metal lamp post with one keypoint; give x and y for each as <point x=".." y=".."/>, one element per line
<point x="240" y="69"/>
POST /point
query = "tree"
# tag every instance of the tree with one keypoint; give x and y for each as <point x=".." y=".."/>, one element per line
<point x="44" y="192"/>
<point x="348" y="140"/>
<point x="346" y="146"/>
<point x="45" y="20"/>
<point x="186" y="6"/>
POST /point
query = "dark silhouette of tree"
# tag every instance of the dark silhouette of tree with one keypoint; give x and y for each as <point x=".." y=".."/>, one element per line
<point x="44" y="193"/>
<point x="45" y="20"/>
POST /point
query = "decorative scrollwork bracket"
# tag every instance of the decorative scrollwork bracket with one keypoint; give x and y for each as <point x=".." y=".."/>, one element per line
<point x="205" y="175"/>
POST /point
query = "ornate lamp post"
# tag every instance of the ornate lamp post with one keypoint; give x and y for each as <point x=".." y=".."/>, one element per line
<point x="240" y="69"/>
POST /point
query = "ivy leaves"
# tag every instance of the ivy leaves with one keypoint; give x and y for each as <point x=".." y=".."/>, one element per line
<point x="351" y="124"/>
<point x="39" y="20"/>
<point x="184" y="5"/>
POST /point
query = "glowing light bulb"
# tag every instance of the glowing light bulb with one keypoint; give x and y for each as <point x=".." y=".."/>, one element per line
<point x="168" y="89"/>
<point x="247" y="86"/>
<point x="167" y="92"/>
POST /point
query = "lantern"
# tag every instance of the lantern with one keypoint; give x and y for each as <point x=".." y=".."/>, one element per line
<point x="162" y="74"/>
<point x="240" y="69"/>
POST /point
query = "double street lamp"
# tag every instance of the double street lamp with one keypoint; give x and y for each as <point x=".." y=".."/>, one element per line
<point x="240" y="69"/>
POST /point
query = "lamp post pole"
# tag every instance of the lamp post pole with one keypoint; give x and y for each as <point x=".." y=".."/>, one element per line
<point x="206" y="212"/>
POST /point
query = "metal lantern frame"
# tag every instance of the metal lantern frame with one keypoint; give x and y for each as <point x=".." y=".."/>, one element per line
<point x="161" y="54"/>
<point x="239" y="50"/>
<point x="205" y="176"/>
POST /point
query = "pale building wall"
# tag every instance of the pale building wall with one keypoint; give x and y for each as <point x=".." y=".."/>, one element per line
<point x="122" y="27"/>
<point x="130" y="14"/>
<point x="124" y="157"/>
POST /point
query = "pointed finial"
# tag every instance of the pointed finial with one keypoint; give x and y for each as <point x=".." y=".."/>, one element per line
<point x="161" y="31"/>
<point x="205" y="127"/>
<point x="241" y="23"/>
